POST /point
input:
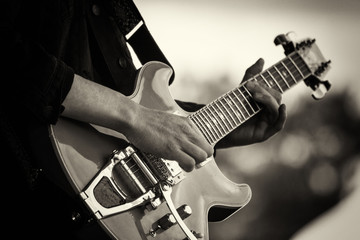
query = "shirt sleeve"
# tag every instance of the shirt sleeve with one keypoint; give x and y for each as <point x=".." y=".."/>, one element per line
<point x="34" y="78"/>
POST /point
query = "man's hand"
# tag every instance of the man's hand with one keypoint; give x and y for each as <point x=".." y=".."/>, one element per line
<point x="266" y="123"/>
<point x="169" y="136"/>
<point x="163" y="134"/>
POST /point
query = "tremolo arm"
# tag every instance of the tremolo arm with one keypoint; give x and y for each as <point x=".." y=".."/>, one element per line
<point x="151" y="177"/>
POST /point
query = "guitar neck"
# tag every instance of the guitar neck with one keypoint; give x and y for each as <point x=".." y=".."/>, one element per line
<point x="223" y="115"/>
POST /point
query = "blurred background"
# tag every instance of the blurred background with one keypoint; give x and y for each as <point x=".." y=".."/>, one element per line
<point x="306" y="179"/>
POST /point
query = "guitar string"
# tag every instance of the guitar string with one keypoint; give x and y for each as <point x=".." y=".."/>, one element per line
<point x="280" y="76"/>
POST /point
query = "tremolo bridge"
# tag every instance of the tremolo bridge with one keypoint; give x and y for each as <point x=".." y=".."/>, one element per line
<point x="131" y="179"/>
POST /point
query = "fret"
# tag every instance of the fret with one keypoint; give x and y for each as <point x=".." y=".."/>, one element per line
<point x="293" y="69"/>
<point x="275" y="74"/>
<point x="231" y="115"/>
<point x="292" y="76"/>
<point x="208" y="126"/>
<point x="282" y="77"/>
<point x="227" y="111"/>
<point x="302" y="76"/>
<point x="306" y="72"/>
<point x="212" y="125"/>
<point x="240" y="112"/>
<point x="254" y="106"/>
<point x="242" y="104"/>
<point x="213" y="120"/>
<point x="205" y="131"/>
<point x="264" y="80"/>
<point x="194" y="117"/>
<point x="275" y="85"/>
<point x="285" y="74"/>
<point x="223" y="116"/>
<point x="216" y="123"/>
<point x="216" y="114"/>
<point x="302" y="66"/>
<point x="231" y="104"/>
<point x="274" y="80"/>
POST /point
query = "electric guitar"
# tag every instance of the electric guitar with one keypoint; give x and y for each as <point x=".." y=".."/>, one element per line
<point x="137" y="196"/>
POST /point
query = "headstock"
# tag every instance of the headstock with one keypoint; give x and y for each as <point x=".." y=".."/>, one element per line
<point x="314" y="60"/>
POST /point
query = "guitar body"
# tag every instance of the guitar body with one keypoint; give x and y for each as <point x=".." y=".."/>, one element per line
<point x="83" y="150"/>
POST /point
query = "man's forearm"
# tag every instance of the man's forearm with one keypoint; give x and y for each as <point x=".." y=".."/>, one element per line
<point x="93" y="103"/>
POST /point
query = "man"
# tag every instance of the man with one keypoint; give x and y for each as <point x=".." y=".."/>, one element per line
<point x="52" y="49"/>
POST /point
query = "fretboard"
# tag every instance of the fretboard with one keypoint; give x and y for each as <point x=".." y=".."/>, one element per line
<point x="223" y="115"/>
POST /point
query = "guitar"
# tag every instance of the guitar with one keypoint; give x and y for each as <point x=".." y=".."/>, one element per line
<point x="138" y="196"/>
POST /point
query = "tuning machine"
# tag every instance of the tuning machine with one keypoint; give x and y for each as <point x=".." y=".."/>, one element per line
<point x="313" y="59"/>
<point x="321" y="69"/>
<point x="319" y="87"/>
<point x="303" y="44"/>
<point x="285" y="41"/>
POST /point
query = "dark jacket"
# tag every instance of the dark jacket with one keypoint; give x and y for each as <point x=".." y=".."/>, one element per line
<point x="43" y="43"/>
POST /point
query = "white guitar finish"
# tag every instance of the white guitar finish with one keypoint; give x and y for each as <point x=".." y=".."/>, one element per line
<point x="83" y="150"/>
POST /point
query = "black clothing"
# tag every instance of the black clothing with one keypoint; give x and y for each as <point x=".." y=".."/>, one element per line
<point x="43" y="44"/>
<point x="46" y="42"/>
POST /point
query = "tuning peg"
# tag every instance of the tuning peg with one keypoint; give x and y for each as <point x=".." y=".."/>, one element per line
<point x="326" y="64"/>
<point x="323" y="66"/>
<point x="321" y="89"/>
<point x="281" y="39"/>
<point x="284" y="40"/>
<point x="305" y="43"/>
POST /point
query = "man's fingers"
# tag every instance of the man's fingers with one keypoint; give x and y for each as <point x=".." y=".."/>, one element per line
<point x="190" y="155"/>
<point x="276" y="94"/>
<point x="263" y="96"/>
<point x="256" y="68"/>
<point x="200" y="141"/>
<point x="267" y="91"/>
<point x="187" y="162"/>
<point x="196" y="152"/>
<point x="280" y="122"/>
<point x="282" y="118"/>
<point x="193" y="149"/>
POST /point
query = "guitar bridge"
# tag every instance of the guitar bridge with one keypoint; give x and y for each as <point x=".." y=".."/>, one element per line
<point x="130" y="179"/>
